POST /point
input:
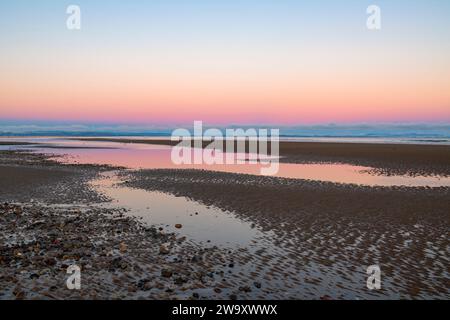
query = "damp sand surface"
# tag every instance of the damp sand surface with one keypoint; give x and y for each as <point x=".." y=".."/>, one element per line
<point x="167" y="233"/>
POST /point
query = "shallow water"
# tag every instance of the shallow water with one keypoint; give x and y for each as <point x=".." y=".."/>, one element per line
<point x="145" y="156"/>
<point x="198" y="222"/>
<point x="257" y="255"/>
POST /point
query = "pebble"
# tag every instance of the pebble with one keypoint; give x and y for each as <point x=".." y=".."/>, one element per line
<point x="123" y="247"/>
<point x="163" y="250"/>
<point x="245" y="289"/>
<point x="166" y="273"/>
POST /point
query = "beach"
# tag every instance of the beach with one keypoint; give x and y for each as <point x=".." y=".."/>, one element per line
<point x="391" y="158"/>
<point x="299" y="238"/>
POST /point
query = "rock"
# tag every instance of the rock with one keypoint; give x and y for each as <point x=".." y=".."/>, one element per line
<point x="325" y="297"/>
<point x="34" y="276"/>
<point x="181" y="239"/>
<point x="142" y="284"/>
<point x="195" y="295"/>
<point x="163" y="249"/>
<point x="257" y="284"/>
<point x="123" y="247"/>
<point x="245" y="289"/>
<point x="118" y="263"/>
<point x="50" y="261"/>
<point x="148" y="286"/>
<point x="18" y="293"/>
<point x="231" y="265"/>
<point x="166" y="273"/>
<point x="217" y="290"/>
<point x="233" y="297"/>
<point x="196" y="258"/>
<point x="178" y="226"/>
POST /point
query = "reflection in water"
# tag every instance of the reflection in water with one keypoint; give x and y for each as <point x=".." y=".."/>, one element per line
<point x="199" y="222"/>
<point x="136" y="156"/>
<point x="258" y="255"/>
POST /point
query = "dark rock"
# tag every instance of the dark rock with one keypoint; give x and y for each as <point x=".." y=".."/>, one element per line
<point x="118" y="263"/>
<point x="166" y="273"/>
<point x="245" y="289"/>
<point x="180" y="281"/>
<point x="50" y="261"/>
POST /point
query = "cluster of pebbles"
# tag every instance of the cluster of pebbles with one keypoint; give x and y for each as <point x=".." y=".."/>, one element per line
<point x="50" y="220"/>
<point x="119" y="258"/>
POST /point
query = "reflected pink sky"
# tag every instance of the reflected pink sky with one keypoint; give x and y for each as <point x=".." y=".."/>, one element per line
<point x="147" y="156"/>
<point x="144" y="156"/>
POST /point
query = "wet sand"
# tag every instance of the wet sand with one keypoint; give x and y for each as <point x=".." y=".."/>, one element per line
<point x="50" y="219"/>
<point x="322" y="237"/>
<point x="412" y="159"/>
<point x="329" y="233"/>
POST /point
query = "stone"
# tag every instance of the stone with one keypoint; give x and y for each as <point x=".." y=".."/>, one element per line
<point x="50" y="261"/>
<point x="180" y="281"/>
<point x="163" y="249"/>
<point x="166" y="273"/>
<point x="178" y="226"/>
<point x="245" y="289"/>
<point x="123" y="247"/>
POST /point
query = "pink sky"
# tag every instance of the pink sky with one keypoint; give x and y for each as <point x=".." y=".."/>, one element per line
<point x="167" y="65"/>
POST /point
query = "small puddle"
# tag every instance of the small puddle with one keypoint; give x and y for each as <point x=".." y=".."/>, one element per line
<point x="203" y="224"/>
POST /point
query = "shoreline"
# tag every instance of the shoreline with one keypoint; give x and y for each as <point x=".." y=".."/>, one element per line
<point x="401" y="159"/>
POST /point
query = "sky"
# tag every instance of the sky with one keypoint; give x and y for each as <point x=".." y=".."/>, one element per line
<point x="225" y="62"/>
